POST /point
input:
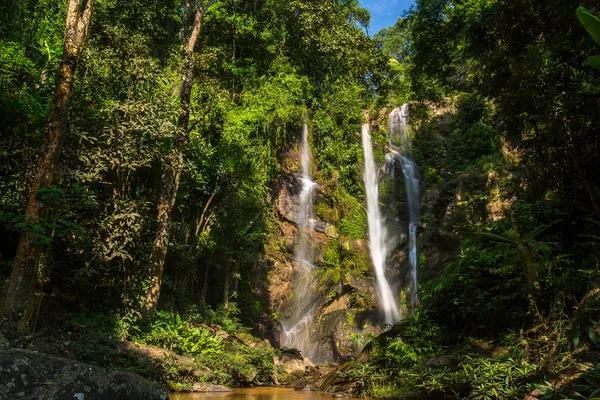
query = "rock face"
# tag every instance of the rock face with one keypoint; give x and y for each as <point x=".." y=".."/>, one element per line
<point x="345" y="306"/>
<point x="287" y="191"/>
<point x="29" y="375"/>
<point x="344" y="309"/>
<point x="291" y="368"/>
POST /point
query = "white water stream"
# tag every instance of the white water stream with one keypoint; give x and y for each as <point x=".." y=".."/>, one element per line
<point x="297" y="328"/>
<point x="377" y="231"/>
<point x="399" y="131"/>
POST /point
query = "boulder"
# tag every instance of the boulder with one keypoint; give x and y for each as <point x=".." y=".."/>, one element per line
<point x="201" y="387"/>
<point x="287" y="192"/>
<point x="252" y="341"/>
<point x="291" y="366"/>
<point x="29" y="375"/>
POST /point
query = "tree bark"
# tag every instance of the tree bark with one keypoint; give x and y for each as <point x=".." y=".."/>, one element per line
<point x="205" y="284"/>
<point x="21" y="284"/>
<point x="172" y="170"/>
<point x="528" y="257"/>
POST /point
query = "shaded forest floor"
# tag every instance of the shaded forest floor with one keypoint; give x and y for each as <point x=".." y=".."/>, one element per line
<point x="412" y="360"/>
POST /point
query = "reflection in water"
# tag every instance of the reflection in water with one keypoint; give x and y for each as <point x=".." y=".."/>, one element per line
<point x="255" y="394"/>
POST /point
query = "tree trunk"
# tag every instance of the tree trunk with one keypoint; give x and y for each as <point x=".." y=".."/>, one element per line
<point x="226" y="285"/>
<point x="172" y="170"/>
<point x="528" y="257"/>
<point x="205" y="284"/>
<point x="21" y="284"/>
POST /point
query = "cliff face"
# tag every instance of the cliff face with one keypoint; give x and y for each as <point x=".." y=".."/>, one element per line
<point x="345" y="309"/>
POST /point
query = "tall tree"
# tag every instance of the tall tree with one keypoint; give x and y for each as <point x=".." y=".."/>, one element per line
<point x="21" y="284"/>
<point x="172" y="169"/>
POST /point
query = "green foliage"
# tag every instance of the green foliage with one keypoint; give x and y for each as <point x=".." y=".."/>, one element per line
<point x="415" y="340"/>
<point x="504" y="118"/>
<point x="585" y="386"/>
<point x="226" y="317"/>
<point x="240" y="365"/>
<point x="354" y="220"/>
<point x="331" y="257"/>
<point x="169" y="331"/>
<point x="592" y="25"/>
<point x="590" y="22"/>
<point x="481" y="378"/>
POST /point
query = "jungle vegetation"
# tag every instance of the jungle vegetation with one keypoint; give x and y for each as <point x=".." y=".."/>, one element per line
<point x="139" y="144"/>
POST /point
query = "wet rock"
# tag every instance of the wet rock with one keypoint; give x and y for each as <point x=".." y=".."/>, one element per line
<point x="252" y="341"/>
<point x="29" y="375"/>
<point x="287" y="192"/>
<point x="291" y="367"/>
<point x="267" y="328"/>
<point x="201" y="387"/>
<point x="221" y="334"/>
<point x="341" y="303"/>
<point x="299" y="384"/>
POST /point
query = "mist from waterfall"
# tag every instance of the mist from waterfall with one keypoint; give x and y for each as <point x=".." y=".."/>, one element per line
<point x="377" y="231"/>
<point x="297" y="328"/>
<point x="400" y="147"/>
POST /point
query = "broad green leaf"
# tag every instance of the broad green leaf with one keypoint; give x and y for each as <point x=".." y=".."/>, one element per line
<point x="592" y="61"/>
<point x="590" y="22"/>
<point x="592" y="334"/>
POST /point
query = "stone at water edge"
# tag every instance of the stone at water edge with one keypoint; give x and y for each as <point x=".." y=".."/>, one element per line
<point x="293" y="368"/>
<point x="201" y="387"/>
<point x="29" y="375"/>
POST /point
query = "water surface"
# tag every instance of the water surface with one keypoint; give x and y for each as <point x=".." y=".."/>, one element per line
<point x="255" y="394"/>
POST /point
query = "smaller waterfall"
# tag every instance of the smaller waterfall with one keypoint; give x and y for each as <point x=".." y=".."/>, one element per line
<point x="297" y="328"/>
<point x="399" y="129"/>
<point x="377" y="230"/>
<point x="304" y="254"/>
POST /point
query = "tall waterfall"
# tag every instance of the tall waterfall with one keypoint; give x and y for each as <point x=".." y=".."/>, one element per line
<point x="399" y="133"/>
<point x="377" y="230"/>
<point x="297" y="326"/>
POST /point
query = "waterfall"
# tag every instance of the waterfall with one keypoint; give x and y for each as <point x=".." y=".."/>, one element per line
<point x="304" y="254"/>
<point x="297" y="328"/>
<point x="377" y="231"/>
<point x="399" y="132"/>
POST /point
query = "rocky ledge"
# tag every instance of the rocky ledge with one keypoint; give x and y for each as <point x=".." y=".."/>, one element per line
<point x="29" y="375"/>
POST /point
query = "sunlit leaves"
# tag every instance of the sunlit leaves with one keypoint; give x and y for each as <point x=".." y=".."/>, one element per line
<point x="590" y="22"/>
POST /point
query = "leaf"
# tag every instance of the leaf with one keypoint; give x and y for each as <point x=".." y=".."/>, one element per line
<point x="590" y="22"/>
<point x="592" y="61"/>
<point x="592" y="334"/>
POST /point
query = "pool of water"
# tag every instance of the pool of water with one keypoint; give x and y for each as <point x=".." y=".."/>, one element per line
<point x="255" y="394"/>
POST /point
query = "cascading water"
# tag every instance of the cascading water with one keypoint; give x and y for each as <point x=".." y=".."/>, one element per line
<point x="377" y="231"/>
<point x="297" y="328"/>
<point x="399" y="131"/>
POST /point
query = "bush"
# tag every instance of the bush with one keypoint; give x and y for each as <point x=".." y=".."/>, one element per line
<point x="169" y="331"/>
<point x="240" y="365"/>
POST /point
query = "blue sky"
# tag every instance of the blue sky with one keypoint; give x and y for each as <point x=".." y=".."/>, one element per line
<point x="384" y="12"/>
